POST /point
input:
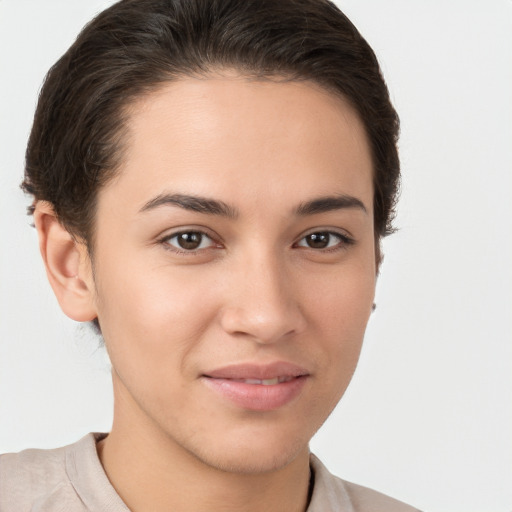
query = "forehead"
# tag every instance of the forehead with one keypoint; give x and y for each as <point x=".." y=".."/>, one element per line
<point x="233" y="137"/>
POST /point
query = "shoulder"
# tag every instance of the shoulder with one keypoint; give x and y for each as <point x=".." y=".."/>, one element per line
<point x="37" y="480"/>
<point x="332" y="494"/>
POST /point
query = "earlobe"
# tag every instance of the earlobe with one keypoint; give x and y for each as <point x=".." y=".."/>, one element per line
<point x="67" y="265"/>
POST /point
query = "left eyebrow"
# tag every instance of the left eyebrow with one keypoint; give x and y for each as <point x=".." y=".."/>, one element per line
<point x="330" y="203"/>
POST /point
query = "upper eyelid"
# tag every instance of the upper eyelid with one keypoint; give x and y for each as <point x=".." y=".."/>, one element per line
<point x="342" y="233"/>
<point x="344" y="241"/>
<point x="165" y="241"/>
<point x="339" y="232"/>
<point x="170" y="233"/>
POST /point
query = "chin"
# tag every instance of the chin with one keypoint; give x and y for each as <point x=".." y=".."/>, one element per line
<point x="250" y="461"/>
<point x="251" y="452"/>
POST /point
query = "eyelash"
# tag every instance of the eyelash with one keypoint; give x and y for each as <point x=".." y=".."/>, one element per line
<point x="165" y="241"/>
<point x="344" y="241"/>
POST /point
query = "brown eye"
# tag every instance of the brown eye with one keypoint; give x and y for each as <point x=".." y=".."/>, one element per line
<point x="189" y="241"/>
<point x="324" y="240"/>
<point x="318" y="240"/>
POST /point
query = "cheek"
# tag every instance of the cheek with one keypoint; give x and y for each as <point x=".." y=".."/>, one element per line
<point x="150" y="319"/>
<point x="341" y="301"/>
<point x="137" y="289"/>
<point x="339" y="309"/>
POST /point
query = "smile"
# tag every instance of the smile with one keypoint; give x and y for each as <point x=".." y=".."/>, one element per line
<point x="257" y="387"/>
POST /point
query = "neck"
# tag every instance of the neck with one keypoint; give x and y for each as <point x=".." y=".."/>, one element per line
<point x="150" y="471"/>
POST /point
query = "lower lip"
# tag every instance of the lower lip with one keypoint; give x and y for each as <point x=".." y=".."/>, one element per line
<point x="257" y="397"/>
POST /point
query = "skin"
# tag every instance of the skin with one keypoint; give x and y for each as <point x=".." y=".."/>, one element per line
<point x="253" y="292"/>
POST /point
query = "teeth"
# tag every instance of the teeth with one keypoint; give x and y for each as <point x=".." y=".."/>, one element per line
<point x="265" y="382"/>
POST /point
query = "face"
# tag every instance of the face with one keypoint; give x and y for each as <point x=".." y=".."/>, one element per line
<point x="234" y="266"/>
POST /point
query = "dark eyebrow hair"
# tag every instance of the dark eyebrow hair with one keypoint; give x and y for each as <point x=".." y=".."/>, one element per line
<point x="194" y="203"/>
<point x="215" y="207"/>
<point x="329" y="203"/>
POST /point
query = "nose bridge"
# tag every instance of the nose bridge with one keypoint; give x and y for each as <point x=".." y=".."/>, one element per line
<point x="262" y="304"/>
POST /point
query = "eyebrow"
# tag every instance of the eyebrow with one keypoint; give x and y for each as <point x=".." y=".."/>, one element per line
<point x="330" y="203"/>
<point x="192" y="203"/>
<point x="215" y="207"/>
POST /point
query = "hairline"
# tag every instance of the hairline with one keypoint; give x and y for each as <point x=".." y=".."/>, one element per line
<point x="133" y="101"/>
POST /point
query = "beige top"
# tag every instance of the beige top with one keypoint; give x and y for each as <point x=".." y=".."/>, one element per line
<point x="72" y="479"/>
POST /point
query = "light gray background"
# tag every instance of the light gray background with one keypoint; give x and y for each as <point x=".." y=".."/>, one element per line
<point x="428" y="415"/>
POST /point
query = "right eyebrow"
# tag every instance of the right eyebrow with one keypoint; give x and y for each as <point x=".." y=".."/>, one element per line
<point x="193" y="203"/>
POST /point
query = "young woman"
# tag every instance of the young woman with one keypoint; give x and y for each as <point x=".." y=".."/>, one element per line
<point x="211" y="182"/>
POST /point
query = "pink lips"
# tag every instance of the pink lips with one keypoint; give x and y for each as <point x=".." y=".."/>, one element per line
<point x="258" y="387"/>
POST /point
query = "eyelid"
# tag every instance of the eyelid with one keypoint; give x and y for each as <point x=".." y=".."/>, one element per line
<point x="344" y="239"/>
<point x="343" y="236"/>
<point x="164" y="240"/>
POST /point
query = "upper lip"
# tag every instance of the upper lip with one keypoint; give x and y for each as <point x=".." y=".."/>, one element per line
<point x="257" y="371"/>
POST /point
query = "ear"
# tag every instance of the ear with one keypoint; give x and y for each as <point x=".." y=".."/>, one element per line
<point x="67" y="263"/>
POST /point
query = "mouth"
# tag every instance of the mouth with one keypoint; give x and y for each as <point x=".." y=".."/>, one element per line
<point x="270" y="373"/>
<point x="257" y="387"/>
<point x="266" y="382"/>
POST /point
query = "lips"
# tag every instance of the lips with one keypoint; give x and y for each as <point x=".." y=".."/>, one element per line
<point x="278" y="369"/>
<point x="257" y="387"/>
<point x="266" y="382"/>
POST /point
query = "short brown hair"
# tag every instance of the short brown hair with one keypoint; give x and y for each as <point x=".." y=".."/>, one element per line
<point x="134" y="46"/>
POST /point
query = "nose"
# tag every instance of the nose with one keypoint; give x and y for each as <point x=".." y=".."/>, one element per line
<point x="264" y="303"/>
